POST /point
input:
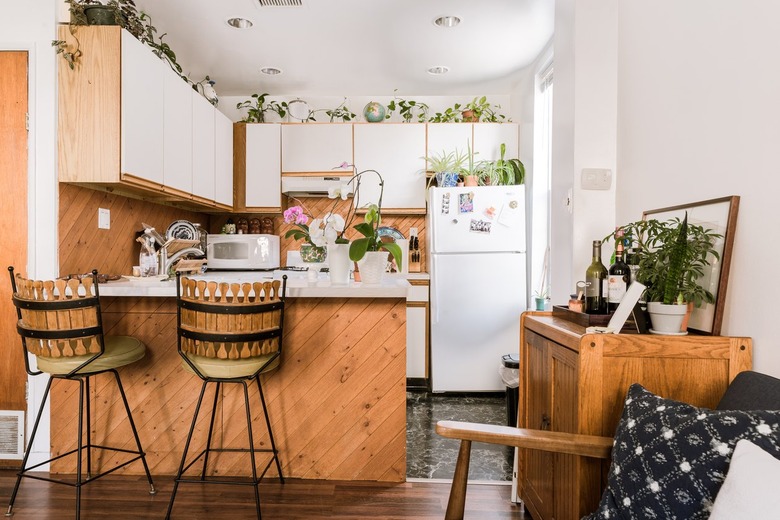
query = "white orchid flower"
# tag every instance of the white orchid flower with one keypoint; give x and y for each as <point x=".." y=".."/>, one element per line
<point x="335" y="221"/>
<point x="340" y="191"/>
<point x="316" y="233"/>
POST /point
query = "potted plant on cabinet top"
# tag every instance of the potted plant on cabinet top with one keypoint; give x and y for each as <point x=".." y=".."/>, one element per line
<point x="479" y="109"/>
<point x="257" y="107"/>
<point x="445" y="167"/>
<point x="503" y="171"/>
<point x="672" y="256"/>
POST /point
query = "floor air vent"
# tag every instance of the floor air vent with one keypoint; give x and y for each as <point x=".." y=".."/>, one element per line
<point x="11" y="434"/>
<point x="280" y="3"/>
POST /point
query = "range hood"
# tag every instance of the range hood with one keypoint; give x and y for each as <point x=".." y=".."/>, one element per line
<point x="313" y="185"/>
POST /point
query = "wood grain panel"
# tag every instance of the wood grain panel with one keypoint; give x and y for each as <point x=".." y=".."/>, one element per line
<point x="84" y="247"/>
<point x="13" y="244"/>
<point x="337" y="403"/>
<point x="89" y="106"/>
<point x="318" y="207"/>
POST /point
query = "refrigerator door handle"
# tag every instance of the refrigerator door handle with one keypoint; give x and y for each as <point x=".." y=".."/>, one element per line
<point x="435" y="296"/>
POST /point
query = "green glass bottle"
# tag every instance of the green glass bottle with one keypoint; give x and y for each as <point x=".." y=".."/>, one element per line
<point x="596" y="283"/>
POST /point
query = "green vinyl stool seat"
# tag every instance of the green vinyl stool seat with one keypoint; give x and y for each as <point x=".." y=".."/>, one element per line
<point x="60" y="323"/>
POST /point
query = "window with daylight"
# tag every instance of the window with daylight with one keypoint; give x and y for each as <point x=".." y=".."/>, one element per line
<point x="541" y="187"/>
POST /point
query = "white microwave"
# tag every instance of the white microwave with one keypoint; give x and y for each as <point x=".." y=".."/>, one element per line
<point x="242" y="252"/>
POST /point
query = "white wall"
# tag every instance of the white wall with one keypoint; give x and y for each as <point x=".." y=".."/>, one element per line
<point x="584" y="135"/>
<point x="30" y="26"/>
<point x="699" y="118"/>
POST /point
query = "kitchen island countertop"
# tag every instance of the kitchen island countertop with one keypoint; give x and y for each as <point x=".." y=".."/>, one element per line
<point x="392" y="286"/>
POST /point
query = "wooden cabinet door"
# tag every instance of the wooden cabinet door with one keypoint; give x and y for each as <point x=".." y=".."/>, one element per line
<point x="142" y="111"/>
<point x="177" y="128"/>
<point x="203" y="181"/>
<point x="396" y="151"/>
<point x="223" y="160"/>
<point x="263" y="180"/>
<point x="316" y="147"/>
<point x="537" y="478"/>
<point x="563" y="373"/>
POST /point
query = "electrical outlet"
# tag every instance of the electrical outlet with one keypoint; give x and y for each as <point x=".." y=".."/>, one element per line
<point x="104" y="218"/>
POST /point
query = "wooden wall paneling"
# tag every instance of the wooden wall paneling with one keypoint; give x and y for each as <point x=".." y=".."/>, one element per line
<point x="13" y="244"/>
<point x="84" y="247"/>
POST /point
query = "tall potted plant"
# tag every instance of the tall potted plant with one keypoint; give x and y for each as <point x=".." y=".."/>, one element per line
<point x="672" y="256"/>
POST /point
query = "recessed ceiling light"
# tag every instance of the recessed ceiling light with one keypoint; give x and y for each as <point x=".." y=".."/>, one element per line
<point x="447" y="21"/>
<point x="271" y="71"/>
<point x="240" y="23"/>
<point x="438" y="70"/>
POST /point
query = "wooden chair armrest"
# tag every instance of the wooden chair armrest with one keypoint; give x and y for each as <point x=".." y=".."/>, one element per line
<point x="559" y="442"/>
<point x="569" y="443"/>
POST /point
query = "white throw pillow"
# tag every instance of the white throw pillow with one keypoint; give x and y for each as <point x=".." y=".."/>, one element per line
<point x="750" y="489"/>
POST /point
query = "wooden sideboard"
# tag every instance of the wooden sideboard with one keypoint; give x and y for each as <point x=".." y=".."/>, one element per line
<point x="575" y="382"/>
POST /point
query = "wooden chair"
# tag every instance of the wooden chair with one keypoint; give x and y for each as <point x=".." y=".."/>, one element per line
<point x="60" y="324"/>
<point x="748" y="391"/>
<point x="229" y="333"/>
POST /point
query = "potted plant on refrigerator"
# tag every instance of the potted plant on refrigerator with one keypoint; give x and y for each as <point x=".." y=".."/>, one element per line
<point x="672" y="256"/>
<point x="445" y="167"/>
<point x="503" y="171"/>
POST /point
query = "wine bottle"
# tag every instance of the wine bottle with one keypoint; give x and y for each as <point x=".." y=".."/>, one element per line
<point x="596" y="283"/>
<point x="619" y="277"/>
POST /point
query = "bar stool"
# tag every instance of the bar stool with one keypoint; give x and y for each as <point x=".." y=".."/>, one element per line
<point x="60" y="324"/>
<point x="229" y="333"/>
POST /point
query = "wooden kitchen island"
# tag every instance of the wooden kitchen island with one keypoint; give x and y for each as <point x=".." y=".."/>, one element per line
<point x="337" y="403"/>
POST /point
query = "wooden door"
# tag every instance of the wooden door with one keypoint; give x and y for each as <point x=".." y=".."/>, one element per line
<point x="564" y="418"/>
<point x="13" y="242"/>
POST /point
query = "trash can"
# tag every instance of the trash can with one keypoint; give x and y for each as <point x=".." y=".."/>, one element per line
<point x="510" y="374"/>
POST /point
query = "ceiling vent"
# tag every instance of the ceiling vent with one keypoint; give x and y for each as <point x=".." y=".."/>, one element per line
<point x="280" y="3"/>
<point x="11" y="434"/>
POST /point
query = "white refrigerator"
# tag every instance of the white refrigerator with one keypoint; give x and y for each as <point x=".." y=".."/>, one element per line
<point x="477" y="262"/>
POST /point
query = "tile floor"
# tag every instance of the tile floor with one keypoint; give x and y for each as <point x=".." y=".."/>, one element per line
<point x="431" y="456"/>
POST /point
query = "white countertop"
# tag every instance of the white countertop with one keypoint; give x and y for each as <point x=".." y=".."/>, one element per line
<point x="392" y="286"/>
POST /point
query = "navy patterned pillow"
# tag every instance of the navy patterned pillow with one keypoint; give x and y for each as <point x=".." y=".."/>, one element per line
<point x="669" y="458"/>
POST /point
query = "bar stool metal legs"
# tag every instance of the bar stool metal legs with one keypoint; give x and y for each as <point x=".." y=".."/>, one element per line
<point x="251" y="450"/>
<point x="83" y="450"/>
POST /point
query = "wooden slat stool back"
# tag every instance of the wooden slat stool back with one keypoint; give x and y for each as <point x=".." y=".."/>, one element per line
<point x="229" y="333"/>
<point x="60" y="324"/>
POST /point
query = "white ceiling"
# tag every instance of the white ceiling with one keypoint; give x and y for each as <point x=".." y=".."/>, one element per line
<point x="355" y="47"/>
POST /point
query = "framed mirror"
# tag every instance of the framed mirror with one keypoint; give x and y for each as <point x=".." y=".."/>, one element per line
<point x="719" y="215"/>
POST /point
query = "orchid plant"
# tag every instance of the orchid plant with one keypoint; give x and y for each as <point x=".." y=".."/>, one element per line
<point x="369" y="228"/>
<point x="319" y="233"/>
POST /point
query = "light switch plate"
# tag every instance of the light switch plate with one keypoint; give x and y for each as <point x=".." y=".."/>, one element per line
<point x="596" y="179"/>
<point x="104" y="218"/>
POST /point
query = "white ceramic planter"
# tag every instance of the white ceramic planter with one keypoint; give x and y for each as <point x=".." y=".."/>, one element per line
<point x="338" y="263"/>
<point x="372" y="267"/>
<point x="666" y="319"/>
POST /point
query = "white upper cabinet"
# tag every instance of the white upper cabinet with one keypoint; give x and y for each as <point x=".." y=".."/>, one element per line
<point x="203" y="149"/>
<point x="315" y="147"/>
<point x="142" y="111"/>
<point x="177" y="140"/>
<point x="396" y="151"/>
<point x="262" y="168"/>
<point x="448" y="137"/>
<point x="489" y="136"/>
<point x="223" y="160"/>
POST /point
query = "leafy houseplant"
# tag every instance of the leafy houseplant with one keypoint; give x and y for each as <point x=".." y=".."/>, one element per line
<point x="407" y="109"/>
<point x="473" y="170"/>
<point x="503" y="171"/>
<point x="443" y="163"/>
<point x="450" y="115"/>
<point x="340" y="112"/>
<point x="672" y="256"/>
<point x="479" y="109"/>
<point x="114" y="12"/>
<point x="257" y="107"/>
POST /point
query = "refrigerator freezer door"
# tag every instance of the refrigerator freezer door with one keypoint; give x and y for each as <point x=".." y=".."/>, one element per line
<point x="477" y="219"/>
<point x="476" y="302"/>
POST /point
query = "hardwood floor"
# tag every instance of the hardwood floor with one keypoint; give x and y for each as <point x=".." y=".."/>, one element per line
<point x="121" y="497"/>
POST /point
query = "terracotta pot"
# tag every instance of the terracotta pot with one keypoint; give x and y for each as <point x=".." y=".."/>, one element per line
<point x="684" y="326"/>
<point x="469" y="116"/>
<point x="471" y="180"/>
